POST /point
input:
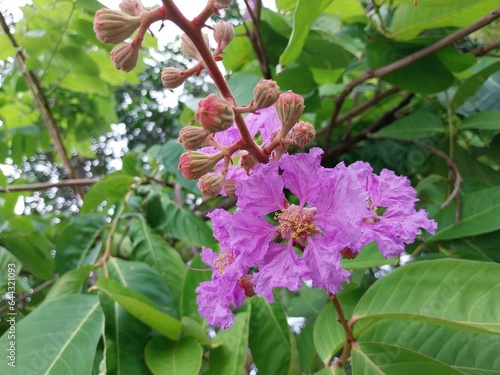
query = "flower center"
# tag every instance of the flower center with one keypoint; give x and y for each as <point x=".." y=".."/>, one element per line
<point x="222" y="261"/>
<point x="297" y="223"/>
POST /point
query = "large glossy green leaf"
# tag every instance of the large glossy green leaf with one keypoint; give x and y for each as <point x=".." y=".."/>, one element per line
<point x="445" y="292"/>
<point x="71" y="282"/>
<point x="239" y="86"/>
<point x="183" y="224"/>
<point x="378" y="358"/>
<point x="444" y="344"/>
<point x="409" y="20"/>
<point x="150" y="248"/>
<point x="328" y="333"/>
<point x="169" y="157"/>
<point x="306" y="302"/>
<point x="166" y="357"/>
<point x="417" y="125"/>
<point x="426" y="76"/>
<point x="79" y="244"/>
<point x="230" y="346"/>
<point x="303" y="17"/>
<point x="110" y="189"/>
<point x="141" y="307"/>
<point x="197" y="273"/>
<point x="59" y="337"/>
<point x="470" y="86"/>
<point x="480" y="213"/>
<point x="10" y="266"/>
<point x="489" y="120"/>
<point x="270" y="333"/>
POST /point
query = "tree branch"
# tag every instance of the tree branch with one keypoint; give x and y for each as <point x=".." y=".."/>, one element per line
<point x="48" y="185"/>
<point x="407" y="60"/>
<point x="349" y="336"/>
<point x="484" y="50"/>
<point x="384" y="120"/>
<point x="41" y="103"/>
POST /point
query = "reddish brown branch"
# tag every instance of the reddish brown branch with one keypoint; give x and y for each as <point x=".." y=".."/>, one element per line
<point x="41" y="103"/>
<point x="484" y="50"/>
<point x="48" y="185"/>
<point x="407" y="60"/>
<point x="349" y="336"/>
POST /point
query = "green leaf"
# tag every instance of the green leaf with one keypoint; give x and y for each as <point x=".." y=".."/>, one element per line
<point x="239" y="86"/>
<point x="445" y="292"/>
<point x="306" y="302"/>
<point x="79" y="243"/>
<point x="427" y="75"/>
<point x="195" y="275"/>
<point x="270" y="333"/>
<point x="441" y="343"/>
<point x="239" y="52"/>
<point x="230" y="346"/>
<point x="195" y="330"/>
<point x="328" y="333"/>
<point x="169" y="156"/>
<point x="417" y="125"/>
<point x="409" y="20"/>
<point x="165" y="357"/>
<point x="150" y="248"/>
<point x="6" y="49"/>
<point x="480" y="213"/>
<point x="141" y="307"/>
<point x="369" y="257"/>
<point x="69" y="283"/>
<point x="183" y="224"/>
<point x="377" y="358"/>
<point x="110" y="189"/>
<point x="303" y="17"/>
<point x="488" y="120"/>
<point x="8" y="262"/>
<point x="472" y="84"/>
<point x="59" y="337"/>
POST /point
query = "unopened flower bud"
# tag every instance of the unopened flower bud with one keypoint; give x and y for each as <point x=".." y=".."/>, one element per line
<point x="245" y="282"/>
<point x="125" y="56"/>
<point x="188" y="48"/>
<point x="193" y="137"/>
<point x="303" y="133"/>
<point x="230" y="187"/>
<point x="348" y="253"/>
<point x="265" y="94"/>
<point x="215" y="113"/>
<point x="223" y="34"/>
<point x="131" y="7"/>
<point x="114" y="26"/>
<point x="289" y="108"/>
<point x="211" y="184"/>
<point x="195" y="164"/>
<point x="172" y="77"/>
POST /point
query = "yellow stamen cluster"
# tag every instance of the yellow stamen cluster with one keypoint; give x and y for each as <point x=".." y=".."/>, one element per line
<point x="296" y="225"/>
<point x="222" y="261"/>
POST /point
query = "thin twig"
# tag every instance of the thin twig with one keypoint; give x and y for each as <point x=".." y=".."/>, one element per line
<point x="349" y="336"/>
<point x="484" y="50"/>
<point x="41" y="103"/>
<point x="384" y="120"/>
<point x="34" y="291"/>
<point x="48" y="185"/>
<point x="407" y="60"/>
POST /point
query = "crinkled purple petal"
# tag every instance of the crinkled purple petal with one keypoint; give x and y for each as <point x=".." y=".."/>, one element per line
<point x="280" y="268"/>
<point x="303" y="174"/>
<point x="322" y="256"/>
<point x="262" y="192"/>
<point x="251" y="235"/>
<point x="220" y="222"/>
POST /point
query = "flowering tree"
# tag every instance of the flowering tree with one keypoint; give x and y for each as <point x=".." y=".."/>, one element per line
<point x="331" y="207"/>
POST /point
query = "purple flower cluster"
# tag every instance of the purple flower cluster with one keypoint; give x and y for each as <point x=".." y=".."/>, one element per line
<point x="295" y="221"/>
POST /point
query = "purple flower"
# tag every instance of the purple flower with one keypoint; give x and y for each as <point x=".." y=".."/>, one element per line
<point x="393" y="220"/>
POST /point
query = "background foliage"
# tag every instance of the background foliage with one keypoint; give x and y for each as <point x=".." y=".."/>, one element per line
<point x="106" y="275"/>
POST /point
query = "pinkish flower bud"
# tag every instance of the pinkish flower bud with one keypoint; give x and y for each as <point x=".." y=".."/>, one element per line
<point x="303" y="133"/>
<point x="125" y="56"/>
<point x="195" y="164"/>
<point x="172" y="77"/>
<point x="215" y="113"/>
<point x="188" y="48"/>
<point x="211" y="184"/>
<point x="289" y="108"/>
<point x="193" y="137"/>
<point x="131" y="7"/>
<point x="245" y="282"/>
<point x="348" y="253"/>
<point x="114" y="26"/>
<point x="265" y="94"/>
<point x="248" y="161"/>
<point x="230" y="187"/>
<point x="223" y="34"/>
